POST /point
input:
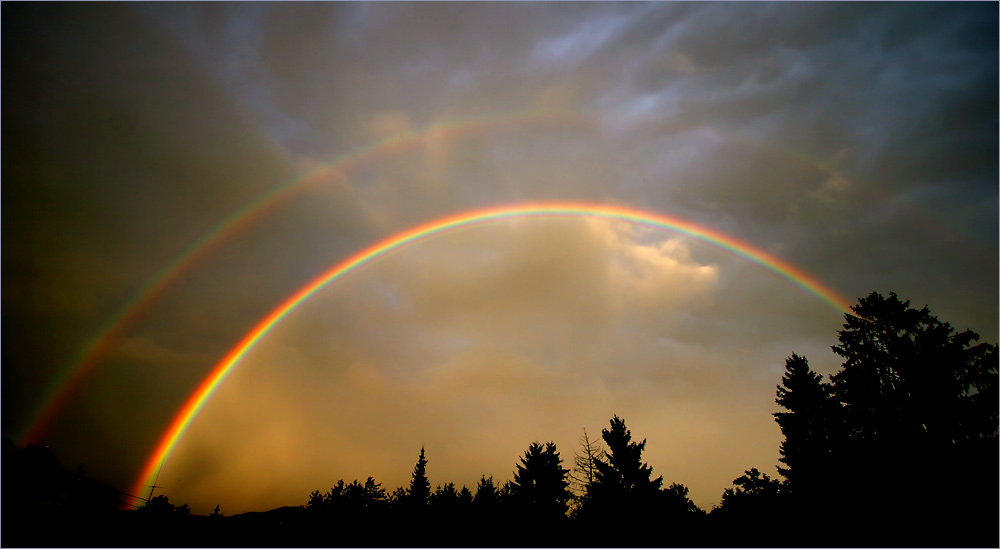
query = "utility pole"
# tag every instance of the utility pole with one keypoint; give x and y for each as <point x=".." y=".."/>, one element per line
<point x="154" y="486"/>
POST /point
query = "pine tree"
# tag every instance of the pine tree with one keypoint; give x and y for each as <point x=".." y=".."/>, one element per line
<point x="622" y="491"/>
<point x="810" y="425"/>
<point x="420" y="487"/>
<point x="487" y="495"/>
<point x="464" y="497"/>
<point x="540" y="482"/>
<point x="622" y="478"/>
<point x="444" y="498"/>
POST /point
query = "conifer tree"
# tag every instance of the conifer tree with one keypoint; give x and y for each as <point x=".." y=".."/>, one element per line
<point x="622" y="478"/>
<point x="487" y="494"/>
<point x="623" y="491"/>
<point x="540" y="482"/>
<point x="420" y="487"/>
<point x="464" y="497"/>
<point x="811" y="425"/>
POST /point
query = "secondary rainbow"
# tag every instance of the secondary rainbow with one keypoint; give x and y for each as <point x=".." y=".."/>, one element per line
<point x="718" y="239"/>
<point x="65" y="384"/>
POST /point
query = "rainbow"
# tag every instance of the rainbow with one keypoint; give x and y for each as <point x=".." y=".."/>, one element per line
<point x="430" y="229"/>
<point x="65" y="384"/>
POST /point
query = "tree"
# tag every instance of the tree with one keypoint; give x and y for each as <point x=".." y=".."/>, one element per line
<point x="398" y="496"/>
<point x="917" y="397"/>
<point x="444" y="498"/>
<point x="370" y="495"/>
<point x="752" y="484"/>
<point x="315" y="500"/>
<point x="464" y="497"/>
<point x="753" y="498"/>
<point x="585" y="465"/>
<point x="420" y="487"/>
<point x="487" y="495"/>
<point x="540" y="482"/>
<point x="809" y="425"/>
<point x="160" y="505"/>
<point x="908" y="376"/>
<point x="622" y="479"/>
<point x="334" y="498"/>
<point x="675" y="501"/>
<point x="217" y="512"/>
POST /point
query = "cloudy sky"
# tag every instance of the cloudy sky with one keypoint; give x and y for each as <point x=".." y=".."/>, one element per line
<point x="855" y="141"/>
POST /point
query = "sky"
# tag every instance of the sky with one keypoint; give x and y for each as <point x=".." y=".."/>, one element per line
<point x="854" y="141"/>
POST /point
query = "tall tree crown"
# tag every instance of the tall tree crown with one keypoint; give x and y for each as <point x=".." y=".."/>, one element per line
<point x="420" y="487"/>
<point x="623" y="473"/>
<point x="540" y="480"/>
<point x="907" y="374"/>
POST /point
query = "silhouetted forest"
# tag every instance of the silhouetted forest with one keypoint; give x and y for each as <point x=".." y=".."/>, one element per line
<point x="898" y="448"/>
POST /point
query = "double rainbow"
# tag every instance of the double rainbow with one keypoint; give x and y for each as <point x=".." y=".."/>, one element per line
<point x="672" y="224"/>
<point x="65" y="384"/>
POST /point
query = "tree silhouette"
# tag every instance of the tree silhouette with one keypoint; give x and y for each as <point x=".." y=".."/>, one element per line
<point x="907" y="374"/>
<point x="333" y="499"/>
<point x="444" y="498"/>
<point x="540" y="482"/>
<point x="315" y="500"/>
<point x="753" y="499"/>
<point x="674" y="500"/>
<point x="810" y="426"/>
<point x="464" y="497"/>
<point x="622" y="490"/>
<point x="487" y="495"/>
<point x="160" y="505"/>
<point x="420" y="487"/>
<point x="585" y="466"/>
<point x="752" y="487"/>
<point x="623" y="477"/>
<point x="368" y="496"/>
<point x="917" y="397"/>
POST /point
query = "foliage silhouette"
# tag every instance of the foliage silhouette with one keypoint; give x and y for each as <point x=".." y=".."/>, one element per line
<point x="899" y="448"/>
<point x="540" y="484"/>
<point x="810" y="427"/>
<point x="444" y="498"/>
<point x="622" y="480"/>
<point x="487" y="495"/>
<point x="420" y="487"/>
<point x="912" y="397"/>
<point x="908" y="375"/>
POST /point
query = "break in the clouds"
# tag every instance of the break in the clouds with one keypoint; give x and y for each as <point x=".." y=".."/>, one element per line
<point x="856" y="141"/>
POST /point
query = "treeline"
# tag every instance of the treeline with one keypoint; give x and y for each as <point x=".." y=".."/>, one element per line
<point x="538" y="506"/>
<point x="897" y="448"/>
